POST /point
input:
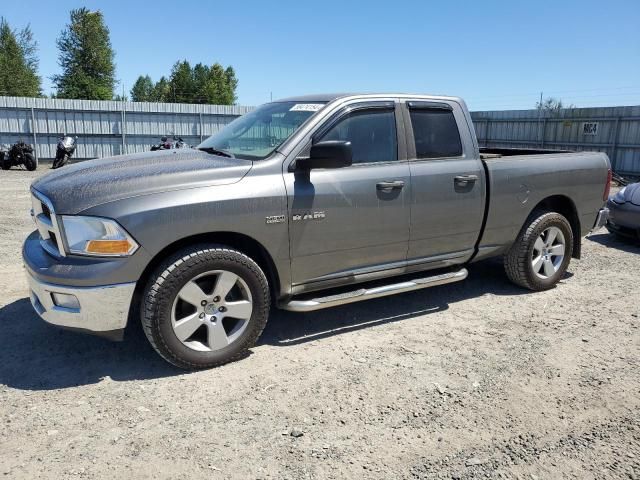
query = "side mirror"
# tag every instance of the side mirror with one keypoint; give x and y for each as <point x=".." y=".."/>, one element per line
<point x="328" y="154"/>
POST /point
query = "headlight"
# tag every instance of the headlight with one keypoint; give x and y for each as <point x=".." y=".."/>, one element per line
<point x="97" y="236"/>
<point x="619" y="197"/>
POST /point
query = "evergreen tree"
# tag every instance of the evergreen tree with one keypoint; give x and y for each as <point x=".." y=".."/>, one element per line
<point x="200" y="84"/>
<point x="143" y="89"/>
<point x="200" y="79"/>
<point x="217" y="84"/>
<point x="161" y="91"/>
<point x="18" y="62"/>
<point x="86" y="58"/>
<point x="181" y="83"/>
<point x="230" y="97"/>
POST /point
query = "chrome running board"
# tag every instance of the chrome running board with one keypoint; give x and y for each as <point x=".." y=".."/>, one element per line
<point x="361" y="294"/>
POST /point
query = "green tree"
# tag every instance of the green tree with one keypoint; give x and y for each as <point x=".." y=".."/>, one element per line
<point x="186" y="84"/>
<point x="552" y="105"/>
<point x="229" y="97"/>
<point x="216" y="84"/>
<point x="143" y="89"/>
<point x="18" y="62"/>
<point x="161" y="91"/>
<point x="222" y="84"/>
<point x="200" y="80"/>
<point x="86" y="58"/>
<point x="181" y="83"/>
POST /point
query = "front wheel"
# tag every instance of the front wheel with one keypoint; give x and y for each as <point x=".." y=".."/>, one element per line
<point x="541" y="254"/>
<point x="205" y="306"/>
<point x="30" y="162"/>
<point x="59" y="161"/>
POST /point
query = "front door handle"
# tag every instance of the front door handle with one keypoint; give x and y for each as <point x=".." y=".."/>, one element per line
<point x="388" y="186"/>
<point x="464" y="180"/>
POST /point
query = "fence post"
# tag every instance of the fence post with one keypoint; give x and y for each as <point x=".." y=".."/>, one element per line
<point x="544" y="132"/>
<point x="33" y="131"/>
<point x="124" y="142"/>
<point x="201" y="127"/>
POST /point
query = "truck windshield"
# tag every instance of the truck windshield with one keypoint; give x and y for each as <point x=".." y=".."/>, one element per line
<point x="257" y="134"/>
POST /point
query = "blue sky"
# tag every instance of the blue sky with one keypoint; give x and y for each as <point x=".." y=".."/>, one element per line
<point x="495" y="54"/>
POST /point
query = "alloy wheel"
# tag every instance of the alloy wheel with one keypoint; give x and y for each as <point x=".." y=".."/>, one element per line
<point x="211" y="311"/>
<point x="548" y="252"/>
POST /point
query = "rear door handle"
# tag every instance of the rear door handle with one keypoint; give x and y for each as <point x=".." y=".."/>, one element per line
<point x="388" y="186"/>
<point x="465" y="179"/>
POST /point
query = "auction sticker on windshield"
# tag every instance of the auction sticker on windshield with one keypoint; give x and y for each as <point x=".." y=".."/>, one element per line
<point x="306" y="107"/>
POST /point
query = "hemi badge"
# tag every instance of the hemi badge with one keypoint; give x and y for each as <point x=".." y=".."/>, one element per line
<point x="275" y="219"/>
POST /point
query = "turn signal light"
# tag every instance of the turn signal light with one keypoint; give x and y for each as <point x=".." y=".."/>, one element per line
<point x="108" y="247"/>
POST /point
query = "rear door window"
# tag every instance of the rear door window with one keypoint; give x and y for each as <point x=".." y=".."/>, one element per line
<point x="435" y="133"/>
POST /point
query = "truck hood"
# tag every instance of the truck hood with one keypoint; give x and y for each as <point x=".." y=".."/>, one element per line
<point x="86" y="184"/>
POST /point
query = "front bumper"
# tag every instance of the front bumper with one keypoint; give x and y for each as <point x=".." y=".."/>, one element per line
<point x="100" y="310"/>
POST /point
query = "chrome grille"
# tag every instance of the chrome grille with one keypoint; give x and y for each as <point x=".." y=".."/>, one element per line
<point x="46" y="221"/>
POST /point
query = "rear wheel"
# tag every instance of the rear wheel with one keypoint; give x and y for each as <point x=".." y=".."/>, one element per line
<point x="30" y="162"/>
<point x="5" y="163"/>
<point x="541" y="254"/>
<point x="205" y="306"/>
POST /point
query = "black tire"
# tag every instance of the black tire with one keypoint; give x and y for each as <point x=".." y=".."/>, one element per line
<point x="5" y="163"/>
<point x="518" y="260"/>
<point x="172" y="275"/>
<point x="30" y="162"/>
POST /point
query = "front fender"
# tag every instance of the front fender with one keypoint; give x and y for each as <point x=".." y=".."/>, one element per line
<point x="161" y="219"/>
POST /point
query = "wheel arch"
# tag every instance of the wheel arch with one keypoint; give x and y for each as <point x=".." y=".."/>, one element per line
<point x="238" y="241"/>
<point x="565" y="206"/>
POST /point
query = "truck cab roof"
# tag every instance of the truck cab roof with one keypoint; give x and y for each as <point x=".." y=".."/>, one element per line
<point x="329" y="97"/>
<point x="317" y="97"/>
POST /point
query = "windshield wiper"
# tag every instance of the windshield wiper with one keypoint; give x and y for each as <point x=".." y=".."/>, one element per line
<point x="215" y="151"/>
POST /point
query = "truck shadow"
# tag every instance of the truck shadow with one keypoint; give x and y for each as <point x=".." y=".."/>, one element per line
<point x="290" y="328"/>
<point x="37" y="356"/>
<point x="610" y="240"/>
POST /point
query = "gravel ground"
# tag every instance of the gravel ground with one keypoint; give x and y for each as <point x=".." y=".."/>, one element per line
<point x="474" y="380"/>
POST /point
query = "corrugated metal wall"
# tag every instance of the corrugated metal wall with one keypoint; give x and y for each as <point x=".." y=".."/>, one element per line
<point x="112" y="128"/>
<point x="616" y="132"/>
<point x="106" y="128"/>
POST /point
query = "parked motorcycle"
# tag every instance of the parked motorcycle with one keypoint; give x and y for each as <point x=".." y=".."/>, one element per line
<point x="64" y="151"/>
<point x="167" y="144"/>
<point x="180" y="143"/>
<point x="20" y="153"/>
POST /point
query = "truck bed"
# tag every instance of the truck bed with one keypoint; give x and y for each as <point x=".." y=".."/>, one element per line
<point x="519" y="179"/>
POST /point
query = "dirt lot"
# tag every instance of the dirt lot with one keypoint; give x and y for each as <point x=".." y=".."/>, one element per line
<point x="474" y="380"/>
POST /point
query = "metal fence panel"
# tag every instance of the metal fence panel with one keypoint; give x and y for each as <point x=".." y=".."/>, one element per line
<point x="613" y="130"/>
<point x="106" y="128"/>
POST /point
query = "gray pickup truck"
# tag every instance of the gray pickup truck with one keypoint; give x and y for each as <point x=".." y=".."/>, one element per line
<point x="304" y="203"/>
